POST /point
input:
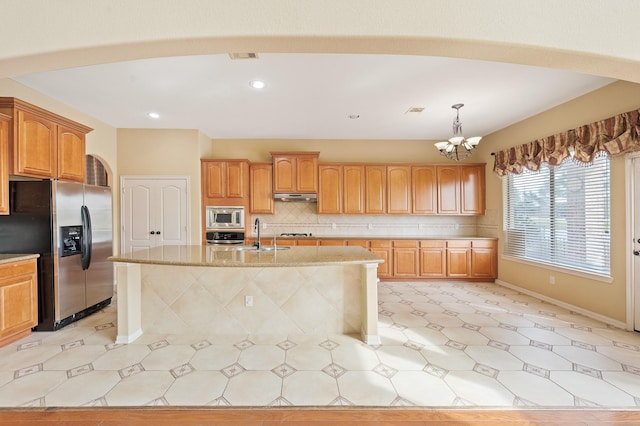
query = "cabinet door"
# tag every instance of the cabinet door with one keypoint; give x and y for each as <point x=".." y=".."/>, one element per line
<point x="4" y="164"/>
<point x="330" y="193"/>
<point x="375" y="189"/>
<point x="235" y="179"/>
<point x="72" y="163"/>
<point x="18" y="298"/>
<point x="307" y="174"/>
<point x="424" y="187"/>
<point x="398" y="189"/>
<point x="472" y="197"/>
<point x="284" y="172"/>
<point x="36" y="153"/>
<point x="405" y="259"/>
<point x="448" y="189"/>
<point x="353" y="188"/>
<point x="483" y="259"/>
<point x="214" y="178"/>
<point x="458" y="258"/>
<point x="260" y="178"/>
<point x="433" y="259"/>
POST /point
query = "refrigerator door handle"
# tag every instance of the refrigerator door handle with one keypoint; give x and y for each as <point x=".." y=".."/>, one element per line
<point x="85" y="257"/>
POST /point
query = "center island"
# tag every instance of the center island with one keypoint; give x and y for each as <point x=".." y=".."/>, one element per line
<point x="218" y="290"/>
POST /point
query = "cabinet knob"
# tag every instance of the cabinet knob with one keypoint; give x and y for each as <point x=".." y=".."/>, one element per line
<point x="158" y="232"/>
<point x="152" y="232"/>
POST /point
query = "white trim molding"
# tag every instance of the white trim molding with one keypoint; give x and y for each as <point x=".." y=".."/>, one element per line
<point x="573" y="308"/>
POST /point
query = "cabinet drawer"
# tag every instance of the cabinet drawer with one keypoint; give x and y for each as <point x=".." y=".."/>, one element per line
<point x="380" y="243"/>
<point x="432" y="243"/>
<point x="17" y="268"/>
<point x="359" y="243"/>
<point x="405" y="244"/>
<point x="483" y="243"/>
<point x="306" y="242"/>
<point x="458" y="243"/>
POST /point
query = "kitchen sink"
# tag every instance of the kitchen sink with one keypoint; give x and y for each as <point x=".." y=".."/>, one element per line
<point x="263" y="248"/>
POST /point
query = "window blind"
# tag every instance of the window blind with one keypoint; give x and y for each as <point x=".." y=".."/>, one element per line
<point x="560" y="215"/>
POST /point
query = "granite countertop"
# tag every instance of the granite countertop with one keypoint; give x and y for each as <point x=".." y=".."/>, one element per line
<point x="11" y="257"/>
<point x="368" y="237"/>
<point x="222" y="256"/>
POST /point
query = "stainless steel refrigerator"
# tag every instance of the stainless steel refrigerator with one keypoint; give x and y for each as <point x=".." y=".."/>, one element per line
<point x="69" y="225"/>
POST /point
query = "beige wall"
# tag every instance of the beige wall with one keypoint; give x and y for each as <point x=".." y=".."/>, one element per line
<point x="149" y="152"/>
<point x="607" y="299"/>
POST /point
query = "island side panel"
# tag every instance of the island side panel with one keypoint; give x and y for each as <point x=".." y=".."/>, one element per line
<point x="128" y="298"/>
<point x="369" y="288"/>
<point x="312" y="300"/>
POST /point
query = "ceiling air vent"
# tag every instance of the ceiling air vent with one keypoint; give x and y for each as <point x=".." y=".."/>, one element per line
<point x="417" y="110"/>
<point x="243" y="55"/>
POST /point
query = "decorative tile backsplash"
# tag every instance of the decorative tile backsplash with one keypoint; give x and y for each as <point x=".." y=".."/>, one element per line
<point x="301" y="217"/>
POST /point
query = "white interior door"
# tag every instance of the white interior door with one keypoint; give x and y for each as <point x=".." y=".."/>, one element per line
<point x="154" y="212"/>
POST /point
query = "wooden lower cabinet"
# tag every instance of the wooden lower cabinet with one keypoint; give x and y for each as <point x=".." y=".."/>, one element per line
<point x="307" y="242"/>
<point x="433" y="259"/>
<point x="484" y="262"/>
<point x="18" y="300"/>
<point x="458" y="258"/>
<point x="405" y="259"/>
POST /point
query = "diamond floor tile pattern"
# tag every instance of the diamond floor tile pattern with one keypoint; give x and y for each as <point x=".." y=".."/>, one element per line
<point x="443" y="344"/>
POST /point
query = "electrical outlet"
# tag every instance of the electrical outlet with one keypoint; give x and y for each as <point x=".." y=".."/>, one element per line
<point x="552" y="279"/>
<point x="248" y="301"/>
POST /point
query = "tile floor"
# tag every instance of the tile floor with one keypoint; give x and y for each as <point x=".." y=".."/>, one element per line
<point x="443" y="344"/>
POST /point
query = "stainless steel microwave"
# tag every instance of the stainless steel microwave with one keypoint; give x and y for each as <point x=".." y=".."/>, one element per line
<point x="225" y="217"/>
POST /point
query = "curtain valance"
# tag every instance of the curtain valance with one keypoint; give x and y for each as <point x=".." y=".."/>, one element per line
<point x="615" y="135"/>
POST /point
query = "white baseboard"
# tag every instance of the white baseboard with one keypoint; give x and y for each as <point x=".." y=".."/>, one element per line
<point x="126" y="339"/>
<point x="585" y="312"/>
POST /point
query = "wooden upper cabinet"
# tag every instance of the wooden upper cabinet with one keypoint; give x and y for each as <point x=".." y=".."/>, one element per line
<point x="4" y="164"/>
<point x="424" y="190"/>
<point x="37" y="150"/>
<point x="42" y="144"/>
<point x="307" y="174"/>
<point x="225" y="178"/>
<point x="375" y="189"/>
<point x="472" y="189"/>
<point x="330" y="189"/>
<point x="399" y="189"/>
<point x="71" y="148"/>
<point x="353" y="189"/>
<point x="261" y="188"/>
<point x="295" y="172"/>
<point x="448" y="189"/>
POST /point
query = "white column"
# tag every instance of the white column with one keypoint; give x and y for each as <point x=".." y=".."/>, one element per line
<point x="129" y="302"/>
<point x="370" y="304"/>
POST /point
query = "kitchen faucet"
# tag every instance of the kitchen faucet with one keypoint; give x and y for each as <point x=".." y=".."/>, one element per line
<point x="257" y="226"/>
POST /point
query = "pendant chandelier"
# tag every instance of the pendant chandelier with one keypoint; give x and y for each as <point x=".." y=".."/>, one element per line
<point x="458" y="147"/>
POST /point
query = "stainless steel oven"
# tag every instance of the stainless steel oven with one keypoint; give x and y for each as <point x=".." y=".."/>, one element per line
<point x="224" y="217"/>
<point x="225" y="237"/>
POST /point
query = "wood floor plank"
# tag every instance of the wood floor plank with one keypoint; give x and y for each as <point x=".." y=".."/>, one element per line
<point x="313" y="417"/>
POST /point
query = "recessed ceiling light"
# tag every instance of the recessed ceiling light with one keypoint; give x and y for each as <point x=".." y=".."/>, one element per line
<point x="257" y="84"/>
<point x="354" y="116"/>
<point x="153" y="115"/>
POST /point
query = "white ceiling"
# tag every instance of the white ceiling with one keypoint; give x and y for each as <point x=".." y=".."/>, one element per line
<point x="310" y="96"/>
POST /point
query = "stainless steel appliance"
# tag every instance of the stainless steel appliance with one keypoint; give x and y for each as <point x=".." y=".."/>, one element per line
<point x="225" y="237"/>
<point x="69" y="225"/>
<point x="224" y="217"/>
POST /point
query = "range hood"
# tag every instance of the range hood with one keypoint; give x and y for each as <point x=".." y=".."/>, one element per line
<point x="309" y="198"/>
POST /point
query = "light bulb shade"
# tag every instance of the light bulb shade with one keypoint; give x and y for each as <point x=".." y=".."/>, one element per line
<point x="441" y="145"/>
<point x="456" y="140"/>
<point x="474" y="141"/>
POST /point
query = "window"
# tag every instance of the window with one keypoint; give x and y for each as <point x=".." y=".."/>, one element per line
<point x="560" y="215"/>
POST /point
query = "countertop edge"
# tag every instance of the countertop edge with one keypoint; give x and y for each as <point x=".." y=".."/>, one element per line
<point x="17" y="257"/>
